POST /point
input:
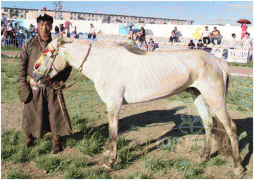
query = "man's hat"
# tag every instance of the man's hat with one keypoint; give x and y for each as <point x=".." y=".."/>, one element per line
<point x="45" y="17"/>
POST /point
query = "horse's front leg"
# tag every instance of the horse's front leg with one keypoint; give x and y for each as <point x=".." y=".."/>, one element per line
<point x="113" y="112"/>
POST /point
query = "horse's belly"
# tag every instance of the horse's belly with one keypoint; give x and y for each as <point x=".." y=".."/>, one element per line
<point x="140" y="92"/>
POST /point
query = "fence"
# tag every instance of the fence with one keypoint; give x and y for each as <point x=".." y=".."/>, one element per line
<point x="14" y="42"/>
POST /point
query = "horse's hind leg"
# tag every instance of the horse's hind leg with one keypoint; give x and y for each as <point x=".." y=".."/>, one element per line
<point x="204" y="112"/>
<point x="216" y="100"/>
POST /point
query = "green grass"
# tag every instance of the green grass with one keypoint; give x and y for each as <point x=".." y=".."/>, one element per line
<point x="9" y="85"/>
<point x="157" y="164"/>
<point x="8" y="48"/>
<point x="170" y="144"/>
<point x="14" y="174"/>
<point x="249" y="64"/>
<point x="81" y="101"/>
<point x="190" y="170"/>
<point x="240" y="94"/>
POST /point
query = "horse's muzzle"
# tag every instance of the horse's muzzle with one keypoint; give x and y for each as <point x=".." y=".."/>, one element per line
<point x="40" y="78"/>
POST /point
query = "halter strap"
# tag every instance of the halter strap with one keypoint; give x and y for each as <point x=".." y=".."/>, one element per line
<point x="79" y="69"/>
<point x="87" y="54"/>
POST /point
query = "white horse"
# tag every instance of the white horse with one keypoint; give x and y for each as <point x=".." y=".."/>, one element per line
<point x="129" y="75"/>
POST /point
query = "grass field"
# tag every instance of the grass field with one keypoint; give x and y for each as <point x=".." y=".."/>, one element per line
<point x="142" y="154"/>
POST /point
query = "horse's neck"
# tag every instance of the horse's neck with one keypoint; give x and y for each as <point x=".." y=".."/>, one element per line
<point x="75" y="54"/>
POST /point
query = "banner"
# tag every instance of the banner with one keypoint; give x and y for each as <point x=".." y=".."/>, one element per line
<point x="238" y="55"/>
<point x="219" y="52"/>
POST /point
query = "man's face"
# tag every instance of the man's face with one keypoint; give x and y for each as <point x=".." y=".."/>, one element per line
<point x="44" y="28"/>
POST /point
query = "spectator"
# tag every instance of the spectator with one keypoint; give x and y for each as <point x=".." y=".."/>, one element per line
<point x="131" y="33"/>
<point x="13" y="38"/>
<point x="172" y="37"/>
<point x="67" y="27"/>
<point x="3" y="20"/>
<point x="143" y="33"/>
<point x="205" y="35"/>
<point x="56" y="30"/>
<point x="233" y="42"/>
<point x="2" y="28"/>
<point x="143" y="44"/>
<point x="62" y="30"/>
<point x="9" y="27"/>
<point x="32" y="30"/>
<point x="244" y="30"/>
<point x="75" y="32"/>
<point x="151" y="45"/>
<point x="200" y="44"/>
<point x="92" y="32"/>
<point x="191" y="45"/>
<point x="20" y="38"/>
<point x="247" y="42"/>
<point x="177" y="34"/>
<point x="215" y="35"/>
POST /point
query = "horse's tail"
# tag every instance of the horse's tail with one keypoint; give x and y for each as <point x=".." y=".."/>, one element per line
<point x="221" y="136"/>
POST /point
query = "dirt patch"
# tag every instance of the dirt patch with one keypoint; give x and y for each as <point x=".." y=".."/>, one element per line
<point x="11" y="116"/>
<point x="152" y="121"/>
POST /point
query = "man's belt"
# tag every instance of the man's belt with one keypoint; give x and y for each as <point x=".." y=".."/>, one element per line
<point x="32" y="82"/>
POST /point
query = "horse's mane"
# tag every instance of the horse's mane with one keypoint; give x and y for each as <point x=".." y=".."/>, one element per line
<point x="132" y="48"/>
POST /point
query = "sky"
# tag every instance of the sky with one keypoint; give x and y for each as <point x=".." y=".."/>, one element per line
<point x="201" y="12"/>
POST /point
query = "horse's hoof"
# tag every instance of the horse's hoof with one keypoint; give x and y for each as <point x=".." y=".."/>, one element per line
<point x="239" y="170"/>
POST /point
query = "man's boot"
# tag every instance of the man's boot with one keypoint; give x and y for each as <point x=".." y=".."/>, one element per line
<point x="57" y="144"/>
<point x="29" y="140"/>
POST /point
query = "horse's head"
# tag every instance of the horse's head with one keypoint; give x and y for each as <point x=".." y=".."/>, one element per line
<point x="50" y="63"/>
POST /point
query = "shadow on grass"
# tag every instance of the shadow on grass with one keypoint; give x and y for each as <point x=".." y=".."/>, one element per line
<point x="184" y="125"/>
<point x="245" y="125"/>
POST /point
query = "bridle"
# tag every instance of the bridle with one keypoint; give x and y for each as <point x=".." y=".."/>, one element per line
<point x="62" y="86"/>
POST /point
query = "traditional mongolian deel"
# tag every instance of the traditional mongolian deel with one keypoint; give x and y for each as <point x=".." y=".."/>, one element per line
<point x="35" y="120"/>
<point x="124" y="75"/>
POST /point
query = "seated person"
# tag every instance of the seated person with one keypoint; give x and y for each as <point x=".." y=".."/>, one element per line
<point x="143" y="33"/>
<point x="215" y="35"/>
<point x="233" y="41"/>
<point x="200" y="44"/>
<point x="177" y="34"/>
<point x="191" y="45"/>
<point x="173" y="37"/>
<point x="151" y="45"/>
<point x="143" y="44"/>
<point x="92" y="32"/>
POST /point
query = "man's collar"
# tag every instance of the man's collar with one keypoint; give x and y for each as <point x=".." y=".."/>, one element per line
<point x="48" y="40"/>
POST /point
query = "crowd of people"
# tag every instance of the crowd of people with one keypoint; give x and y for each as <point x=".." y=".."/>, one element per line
<point x="208" y="37"/>
<point x="139" y="39"/>
<point x="15" y="36"/>
<point x="11" y="34"/>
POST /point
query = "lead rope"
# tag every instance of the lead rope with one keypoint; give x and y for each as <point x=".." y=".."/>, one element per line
<point x="61" y="106"/>
<point x="59" y="89"/>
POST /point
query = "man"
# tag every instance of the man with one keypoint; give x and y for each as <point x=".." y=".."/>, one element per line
<point x="176" y="34"/>
<point x="215" y="35"/>
<point x="233" y="41"/>
<point x="247" y="42"/>
<point x="205" y="35"/>
<point x="42" y="104"/>
<point x="3" y="20"/>
<point x="67" y="27"/>
<point x="92" y="32"/>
